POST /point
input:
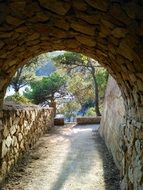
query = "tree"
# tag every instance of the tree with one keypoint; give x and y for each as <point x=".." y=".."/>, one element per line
<point x="46" y="88"/>
<point x="21" y="79"/>
<point x="69" y="109"/>
<point x="74" y="62"/>
<point x="81" y="87"/>
<point x="27" y="73"/>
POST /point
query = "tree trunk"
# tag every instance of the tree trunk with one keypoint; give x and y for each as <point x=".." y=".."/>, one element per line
<point x="16" y="89"/>
<point x="96" y="98"/>
<point x="53" y="105"/>
<point x="96" y="91"/>
<point x="15" y="81"/>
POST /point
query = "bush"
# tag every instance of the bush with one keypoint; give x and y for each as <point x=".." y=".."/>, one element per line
<point x="45" y="88"/>
<point x="91" y="112"/>
<point x="17" y="98"/>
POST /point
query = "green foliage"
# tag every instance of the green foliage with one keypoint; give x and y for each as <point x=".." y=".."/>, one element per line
<point x="69" y="109"/>
<point x="17" y="98"/>
<point x="68" y="58"/>
<point x="27" y="73"/>
<point x="91" y="112"/>
<point x="87" y="79"/>
<point x="24" y="75"/>
<point x="72" y="59"/>
<point x="81" y="87"/>
<point x="45" y="88"/>
<point x="102" y="78"/>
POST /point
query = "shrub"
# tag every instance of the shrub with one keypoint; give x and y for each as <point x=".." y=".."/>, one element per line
<point x="17" y="98"/>
<point x="91" y="112"/>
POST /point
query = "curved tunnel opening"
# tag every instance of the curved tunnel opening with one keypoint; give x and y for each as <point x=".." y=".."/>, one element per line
<point x="70" y="65"/>
<point x="82" y="132"/>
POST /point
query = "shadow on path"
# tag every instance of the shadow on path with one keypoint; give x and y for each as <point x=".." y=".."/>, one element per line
<point x="111" y="173"/>
<point x="67" y="158"/>
<point x="82" y="158"/>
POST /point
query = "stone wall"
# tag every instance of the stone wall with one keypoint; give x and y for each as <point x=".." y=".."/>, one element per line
<point x="88" y="120"/>
<point x="20" y="129"/>
<point x="123" y="137"/>
<point x="112" y="121"/>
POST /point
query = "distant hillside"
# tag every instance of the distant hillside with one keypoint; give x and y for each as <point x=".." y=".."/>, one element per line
<point x="46" y="69"/>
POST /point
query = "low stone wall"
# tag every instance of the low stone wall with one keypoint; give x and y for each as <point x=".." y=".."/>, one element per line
<point x="88" y="120"/>
<point x="59" y="120"/>
<point x="20" y="129"/>
<point x="111" y="128"/>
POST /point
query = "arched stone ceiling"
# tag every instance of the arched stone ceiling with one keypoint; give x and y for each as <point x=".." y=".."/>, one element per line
<point x="110" y="31"/>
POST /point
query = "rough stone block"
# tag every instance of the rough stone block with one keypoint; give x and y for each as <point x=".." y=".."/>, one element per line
<point x="59" y="121"/>
<point x="20" y="133"/>
<point x="88" y="120"/>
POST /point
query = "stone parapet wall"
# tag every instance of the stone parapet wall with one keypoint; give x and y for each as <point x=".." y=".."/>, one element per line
<point x="111" y="128"/>
<point x="88" y="120"/>
<point x="20" y="130"/>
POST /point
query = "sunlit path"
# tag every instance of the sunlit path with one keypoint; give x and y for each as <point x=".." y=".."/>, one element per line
<point x="68" y="159"/>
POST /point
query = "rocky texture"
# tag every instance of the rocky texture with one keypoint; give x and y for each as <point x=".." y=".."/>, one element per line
<point x="109" y="31"/>
<point x="112" y="121"/>
<point x="88" y="120"/>
<point x="123" y="137"/>
<point x="21" y="128"/>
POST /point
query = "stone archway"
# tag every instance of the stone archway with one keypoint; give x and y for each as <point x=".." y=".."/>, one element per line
<point x="108" y="31"/>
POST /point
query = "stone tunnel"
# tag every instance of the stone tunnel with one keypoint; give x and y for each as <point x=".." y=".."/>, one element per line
<point x="110" y="31"/>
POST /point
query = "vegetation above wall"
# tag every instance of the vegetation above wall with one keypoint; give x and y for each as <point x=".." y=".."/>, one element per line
<point x="75" y="82"/>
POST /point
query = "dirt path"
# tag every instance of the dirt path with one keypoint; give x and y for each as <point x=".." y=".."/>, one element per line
<point x="66" y="159"/>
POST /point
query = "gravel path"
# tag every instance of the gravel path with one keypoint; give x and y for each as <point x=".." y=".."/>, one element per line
<point x="67" y="158"/>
